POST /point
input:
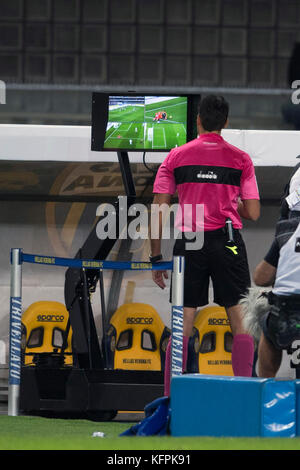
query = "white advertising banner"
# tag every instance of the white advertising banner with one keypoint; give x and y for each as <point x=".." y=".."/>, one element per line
<point x="73" y="144"/>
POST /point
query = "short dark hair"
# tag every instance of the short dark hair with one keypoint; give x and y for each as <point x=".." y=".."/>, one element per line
<point x="213" y="111"/>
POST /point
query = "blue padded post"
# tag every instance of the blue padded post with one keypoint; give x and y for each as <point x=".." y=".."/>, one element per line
<point x="203" y="405"/>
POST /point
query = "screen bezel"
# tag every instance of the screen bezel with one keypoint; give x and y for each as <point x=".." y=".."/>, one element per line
<point x="100" y="111"/>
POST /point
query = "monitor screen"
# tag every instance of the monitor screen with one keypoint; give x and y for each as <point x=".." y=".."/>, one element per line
<point x="135" y="122"/>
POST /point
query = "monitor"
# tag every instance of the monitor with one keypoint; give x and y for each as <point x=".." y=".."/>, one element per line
<point x="142" y="122"/>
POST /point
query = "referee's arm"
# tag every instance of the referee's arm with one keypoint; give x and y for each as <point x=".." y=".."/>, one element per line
<point x="248" y="205"/>
<point x="249" y="209"/>
<point x="155" y="243"/>
<point x="164" y="187"/>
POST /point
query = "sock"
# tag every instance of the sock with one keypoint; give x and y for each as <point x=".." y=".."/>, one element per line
<point x="167" y="376"/>
<point x="242" y="355"/>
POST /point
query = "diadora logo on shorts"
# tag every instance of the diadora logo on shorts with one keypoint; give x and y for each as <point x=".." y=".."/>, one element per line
<point x="209" y="175"/>
<point x="50" y="318"/>
<point x="218" y="321"/>
<point x="139" y="321"/>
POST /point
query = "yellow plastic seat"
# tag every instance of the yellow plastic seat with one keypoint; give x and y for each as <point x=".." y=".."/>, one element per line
<point x="137" y="338"/>
<point x="215" y="341"/>
<point x="43" y="327"/>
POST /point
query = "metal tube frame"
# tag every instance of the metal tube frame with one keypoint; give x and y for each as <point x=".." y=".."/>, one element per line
<point x="15" y="328"/>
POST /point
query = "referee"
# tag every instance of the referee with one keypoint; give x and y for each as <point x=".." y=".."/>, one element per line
<point x="211" y="172"/>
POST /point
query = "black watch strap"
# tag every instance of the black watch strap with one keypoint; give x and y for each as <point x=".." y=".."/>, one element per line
<point x="155" y="259"/>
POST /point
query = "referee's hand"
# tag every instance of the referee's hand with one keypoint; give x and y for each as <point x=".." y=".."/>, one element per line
<point x="158" y="277"/>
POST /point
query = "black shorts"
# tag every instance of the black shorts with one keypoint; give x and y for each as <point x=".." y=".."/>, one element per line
<point x="224" y="263"/>
<point x="282" y="329"/>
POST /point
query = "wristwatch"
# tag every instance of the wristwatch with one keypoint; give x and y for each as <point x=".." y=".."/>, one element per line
<point x="155" y="259"/>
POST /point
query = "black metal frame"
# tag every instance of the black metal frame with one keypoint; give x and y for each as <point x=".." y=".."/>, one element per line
<point x="80" y="283"/>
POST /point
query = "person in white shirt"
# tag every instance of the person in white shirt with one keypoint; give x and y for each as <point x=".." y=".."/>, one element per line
<point x="281" y="270"/>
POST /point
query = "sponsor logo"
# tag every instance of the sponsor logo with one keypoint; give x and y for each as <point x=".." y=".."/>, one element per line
<point x="219" y="363"/>
<point x="141" y="265"/>
<point x="44" y="259"/>
<point x="209" y="175"/>
<point x="50" y="318"/>
<point x="218" y="321"/>
<point x="92" y="264"/>
<point x="139" y="321"/>
<point x="136" y="361"/>
<point x="234" y="249"/>
<point x="15" y="341"/>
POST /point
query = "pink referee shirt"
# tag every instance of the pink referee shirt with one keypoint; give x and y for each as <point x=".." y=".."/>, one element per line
<point x="211" y="172"/>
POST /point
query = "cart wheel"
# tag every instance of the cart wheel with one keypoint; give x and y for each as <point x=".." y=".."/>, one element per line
<point x="105" y="415"/>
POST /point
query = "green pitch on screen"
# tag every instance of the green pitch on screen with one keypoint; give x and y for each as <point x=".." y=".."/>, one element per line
<point x="152" y="124"/>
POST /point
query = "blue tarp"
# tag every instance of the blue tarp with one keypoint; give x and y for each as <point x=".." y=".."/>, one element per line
<point x="156" y="421"/>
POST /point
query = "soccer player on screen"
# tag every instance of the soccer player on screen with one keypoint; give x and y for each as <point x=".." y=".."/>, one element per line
<point x="161" y="115"/>
<point x="157" y="116"/>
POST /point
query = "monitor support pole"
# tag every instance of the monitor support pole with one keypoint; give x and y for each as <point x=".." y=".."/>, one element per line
<point x="79" y="285"/>
<point x="127" y="176"/>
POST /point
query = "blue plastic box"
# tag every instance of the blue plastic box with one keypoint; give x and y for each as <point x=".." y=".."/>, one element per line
<point x="203" y="405"/>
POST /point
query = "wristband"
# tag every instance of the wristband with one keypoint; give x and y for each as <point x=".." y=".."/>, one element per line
<point x="155" y="259"/>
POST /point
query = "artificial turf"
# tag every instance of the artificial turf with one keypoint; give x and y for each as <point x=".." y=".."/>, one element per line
<point x="35" y="433"/>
